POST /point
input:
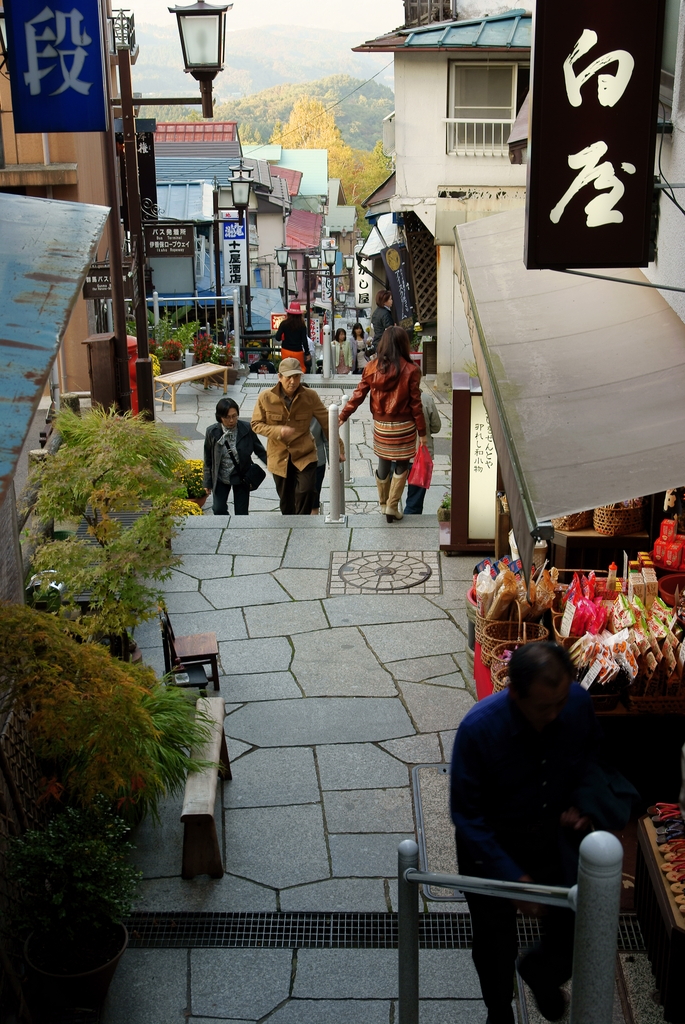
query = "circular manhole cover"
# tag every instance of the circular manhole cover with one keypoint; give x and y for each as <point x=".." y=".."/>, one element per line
<point x="385" y="571"/>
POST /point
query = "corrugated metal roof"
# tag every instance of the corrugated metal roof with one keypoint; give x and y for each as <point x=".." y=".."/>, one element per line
<point x="291" y="177"/>
<point x="191" y="168"/>
<point x="511" y="30"/>
<point x="196" y="131"/>
<point x="303" y="230"/>
<point x="185" y="200"/>
<point x="222" y="150"/>
<point x="264" y="302"/>
<point x="314" y="166"/>
<point x="46" y="248"/>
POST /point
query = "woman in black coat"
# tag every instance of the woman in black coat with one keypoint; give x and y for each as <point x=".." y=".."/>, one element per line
<point x="381" y="319"/>
<point x="227" y="442"/>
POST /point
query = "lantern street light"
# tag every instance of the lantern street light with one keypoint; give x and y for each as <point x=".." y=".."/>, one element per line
<point x="282" y="257"/>
<point x="349" y="267"/>
<point x="202" y="28"/>
<point x="312" y="263"/>
<point x="241" y="184"/>
<point x="3" y="38"/>
<point x="330" y="255"/>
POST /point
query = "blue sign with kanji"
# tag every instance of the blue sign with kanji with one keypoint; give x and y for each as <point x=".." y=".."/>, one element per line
<point x="57" y="66"/>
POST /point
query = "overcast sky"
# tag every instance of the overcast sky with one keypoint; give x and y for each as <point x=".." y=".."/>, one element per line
<point x="368" y="17"/>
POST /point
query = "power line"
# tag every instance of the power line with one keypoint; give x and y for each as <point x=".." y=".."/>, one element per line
<point x="337" y="103"/>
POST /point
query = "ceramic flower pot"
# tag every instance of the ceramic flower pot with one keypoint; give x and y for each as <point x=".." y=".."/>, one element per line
<point x="86" y="989"/>
<point x="199" y="501"/>
<point x="171" y="365"/>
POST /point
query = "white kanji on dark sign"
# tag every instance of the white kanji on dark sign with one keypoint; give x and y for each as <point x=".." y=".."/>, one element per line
<point x="62" y="38"/>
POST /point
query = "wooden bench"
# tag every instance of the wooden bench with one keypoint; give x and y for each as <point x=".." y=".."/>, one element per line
<point x="201" y="852"/>
<point x="170" y="382"/>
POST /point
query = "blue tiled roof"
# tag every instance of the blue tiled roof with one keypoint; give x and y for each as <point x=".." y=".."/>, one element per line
<point x="513" y="29"/>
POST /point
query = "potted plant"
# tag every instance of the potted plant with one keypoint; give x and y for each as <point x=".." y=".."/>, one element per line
<point x="76" y="887"/>
<point x="221" y="355"/>
<point x="110" y="464"/>
<point x="191" y="474"/>
<point x="416" y="345"/>
<point x="445" y="510"/>
<point x="202" y="348"/>
<point x="170" y="356"/>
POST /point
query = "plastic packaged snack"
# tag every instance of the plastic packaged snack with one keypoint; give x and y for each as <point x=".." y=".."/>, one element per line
<point x="485" y="591"/>
<point x="505" y="593"/>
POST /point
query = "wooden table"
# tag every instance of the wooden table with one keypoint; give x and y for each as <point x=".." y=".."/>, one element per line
<point x="662" y="924"/>
<point x="171" y="382"/>
<point x="587" y="549"/>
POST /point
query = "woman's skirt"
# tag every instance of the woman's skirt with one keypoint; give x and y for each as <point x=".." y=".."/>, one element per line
<point x="286" y="354"/>
<point x="394" y="441"/>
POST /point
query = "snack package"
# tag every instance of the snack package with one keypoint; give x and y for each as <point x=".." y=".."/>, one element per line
<point x="622" y="615"/>
<point x="485" y="591"/>
<point x="668" y="529"/>
<point x="660" y="551"/>
<point x="505" y="593"/>
<point x="673" y="554"/>
<point x="542" y="595"/>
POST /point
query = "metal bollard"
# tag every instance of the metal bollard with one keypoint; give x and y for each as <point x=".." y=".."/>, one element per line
<point x="155" y="307"/>
<point x="327" y="353"/>
<point x="336" y="514"/>
<point x="408" y="927"/>
<point x="347" y="465"/>
<point x="597" y="910"/>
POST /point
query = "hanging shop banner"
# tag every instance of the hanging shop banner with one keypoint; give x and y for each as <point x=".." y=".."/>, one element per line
<point x="596" y="69"/>
<point x="396" y="265"/>
<point x="362" y="284"/>
<point x="98" y="282"/>
<point x="276" y="321"/>
<point x="56" y="66"/>
<point x="169" y="240"/>
<point x="235" y="254"/>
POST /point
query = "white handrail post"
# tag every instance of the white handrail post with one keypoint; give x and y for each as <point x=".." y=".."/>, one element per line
<point x="155" y="307"/>
<point x="408" y="937"/>
<point x="327" y="353"/>
<point x="597" y="913"/>
<point x="335" y="514"/>
<point x="236" y="326"/>
<point x="347" y="465"/>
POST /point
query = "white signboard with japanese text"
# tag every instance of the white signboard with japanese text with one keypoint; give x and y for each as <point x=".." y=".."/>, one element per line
<point x="482" y="473"/>
<point x="235" y="254"/>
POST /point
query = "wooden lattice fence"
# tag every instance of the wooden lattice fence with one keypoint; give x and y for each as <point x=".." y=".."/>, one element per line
<point x="424" y="267"/>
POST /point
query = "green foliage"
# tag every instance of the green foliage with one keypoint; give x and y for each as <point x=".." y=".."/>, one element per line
<point x="446" y="500"/>
<point x="220" y="354"/>
<point x="109" y="729"/>
<point x="202" y="348"/>
<point x="74" y="875"/>
<point x="185" y="333"/>
<point x="191" y="473"/>
<point x="359" y="117"/>
<point x="107" y="464"/>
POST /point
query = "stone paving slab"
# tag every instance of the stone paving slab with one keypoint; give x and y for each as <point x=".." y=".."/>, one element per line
<point x="187" y="602"/>
<point x="178" y="582"/>
<point x="207" y="567"/>
<point x="303" y="584"/>
<point x="242" y="591"/>
<point x="369" y="810"/>
<point x="266" y="778"/>
<point x="337" y="894"/>
<point x="231" y="982"/>
<point x="377" y="539"/>
<point x="447" y="742"/>
<point x="206" y="522"/>
<point x="358" y="766"/>
<point x="196" y="542"/>
<point x="367" y="609"/>
<point x="269" y="541"/>
<point x="458" y="567"/>
<point x="285" y="619"/>
<point x="370" y="855"/>
<point x="417" y="670"/>
<point x="434" y="707"/>
<point x="271" y="654"/>
<point x="422" y="749"/>
<point x="228" y="894"/>
<point x="321" y="720"/>
<point x="338" y="663"/>
<point x="406" y="640"/>
<point x="228" y="624"/>
<point x="149" y="987"/>
<point x="277" y="846"/>
<point x="324" y="1011"/>
<point x="302" y="551"/>
<point x="252" y="565"/>
<point x="259" y="686"/>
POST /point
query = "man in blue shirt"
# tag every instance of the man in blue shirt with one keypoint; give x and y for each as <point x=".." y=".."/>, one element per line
<point x="518" y="759"/>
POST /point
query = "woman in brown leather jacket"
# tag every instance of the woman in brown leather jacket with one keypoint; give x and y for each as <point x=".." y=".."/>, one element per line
<point x="393" y="381"/>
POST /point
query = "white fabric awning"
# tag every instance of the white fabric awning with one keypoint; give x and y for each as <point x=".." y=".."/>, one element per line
<point x="382" y="235"/>
<point x="583" y="380"/>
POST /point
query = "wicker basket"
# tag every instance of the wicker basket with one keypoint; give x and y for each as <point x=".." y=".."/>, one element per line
<point x="604" y="701"/>
<point x="563" y="641"/>
<point x="615" y="520"/>
<point x="578" y="521"/>
<point x="497" y="659"/>
<point x="658" y="705"/>
<point x="516" y="633"/>
<point x="500" y="679"/>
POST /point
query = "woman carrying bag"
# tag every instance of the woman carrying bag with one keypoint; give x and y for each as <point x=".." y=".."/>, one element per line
<point x="393" y="381"/>
<point x="293" y="338"/>
<point x="229" y="446"/>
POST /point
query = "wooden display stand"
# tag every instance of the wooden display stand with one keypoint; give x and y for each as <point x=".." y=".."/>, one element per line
<point x="587" y="549"/>
<point x="662" y="924"/>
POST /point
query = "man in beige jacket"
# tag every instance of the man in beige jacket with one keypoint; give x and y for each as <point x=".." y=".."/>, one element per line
<point x="283" y="414"/>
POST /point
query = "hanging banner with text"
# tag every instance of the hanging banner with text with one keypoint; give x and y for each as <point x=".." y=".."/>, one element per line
<point x="235" y="254"/>
<point x="56" y="66"/>
<point x="396" y="265"/>
<point x="362" y="284"/>
<point x="169" y="240"/>
<point x="595" y="91"/>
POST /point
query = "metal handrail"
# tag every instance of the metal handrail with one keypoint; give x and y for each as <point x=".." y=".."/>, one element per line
<point x="596" y="900"/>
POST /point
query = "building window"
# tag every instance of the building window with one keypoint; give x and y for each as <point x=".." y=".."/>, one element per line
<point x="483" y="103"/>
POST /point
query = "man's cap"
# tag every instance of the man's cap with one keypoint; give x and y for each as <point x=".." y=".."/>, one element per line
<point x="289" y="367"/>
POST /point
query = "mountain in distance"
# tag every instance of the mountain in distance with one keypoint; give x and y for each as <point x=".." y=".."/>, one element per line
<point x="256" y="59"/>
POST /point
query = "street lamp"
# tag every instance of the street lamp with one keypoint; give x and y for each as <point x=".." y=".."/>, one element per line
<point x="313" y="259"/>
<point x="349" y="267"/>
<point x="282" y="257"/>
<point x="202" y="28"/>
<point x="3" y="35"/>
<point x="241" y="184"/>
<point x="330" y="256"/>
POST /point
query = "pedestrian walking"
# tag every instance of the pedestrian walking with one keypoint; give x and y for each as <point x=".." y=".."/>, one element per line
<point x="381" y="319"/>
<point x="263" y="365"/>
<point x="229" y="446"/>
<point x="519" y="760"/>
<point x="283" y="414"/>
<point x="341" y="352"/>
<point x="293" y="338"/>
<point x="393" y="381"/>
<point x="321" y="459"/>
<point x="415" y="495"/>
<point x="357" y="344"/>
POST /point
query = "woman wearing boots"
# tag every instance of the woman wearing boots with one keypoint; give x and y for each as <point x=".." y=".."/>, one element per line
<point x="393" y="381"/>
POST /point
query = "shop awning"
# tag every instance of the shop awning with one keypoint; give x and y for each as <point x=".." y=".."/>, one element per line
<point x="583" y="380"/>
